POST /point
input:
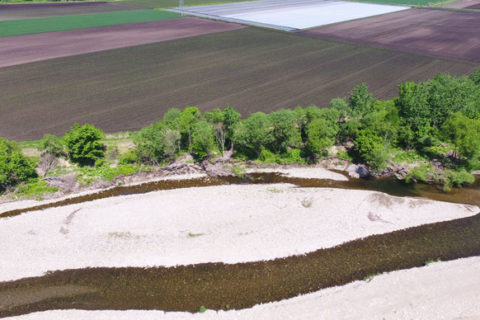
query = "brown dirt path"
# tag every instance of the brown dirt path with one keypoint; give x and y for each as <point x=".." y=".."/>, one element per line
<point x="38" y="47"/>
<point x="444" y="33"/>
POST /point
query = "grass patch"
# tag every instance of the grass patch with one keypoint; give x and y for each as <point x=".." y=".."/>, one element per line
<point x="87" y="175"/>
<point x="82" y="21"/>
<point x="35" y="189"/>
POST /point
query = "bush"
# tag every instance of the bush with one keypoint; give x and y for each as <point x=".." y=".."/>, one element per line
<point x="83" y="144"/>
<point x="52" y="144"/>
<point x="203" y="140"/>
<point x="157" y="143"/>
<point x="129" y="157"/>
<point x="320" y="136"/>
<point x="253" y="134"/>
<point x="14" y="166"/>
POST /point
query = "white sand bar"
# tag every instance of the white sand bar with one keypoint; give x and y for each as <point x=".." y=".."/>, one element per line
<point x="291" y="14"/>
<point x="302" y="173"/>
<point x="440" y="291"/>
<point x="228" y="224"/>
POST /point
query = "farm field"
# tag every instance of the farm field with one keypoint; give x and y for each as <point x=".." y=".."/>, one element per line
<point x="151" y="4"/>
<point x="38" y="47"/>
<point x="464" y="4"/>
<point x="444" y="33"/>
<point x="39" y="10"/>
<point x="290" y="14"/>
<point x="82" y="21"/>
<point x="250" y="69"/>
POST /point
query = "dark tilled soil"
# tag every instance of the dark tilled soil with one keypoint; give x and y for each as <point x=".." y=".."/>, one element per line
<point x="39" y="10"/>
<point x="443" y="33"/>
<point x="250" y="69"/>
<point x="38" y="47"/>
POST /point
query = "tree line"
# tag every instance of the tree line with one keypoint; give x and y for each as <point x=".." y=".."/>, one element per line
<point x="438" y="119"/>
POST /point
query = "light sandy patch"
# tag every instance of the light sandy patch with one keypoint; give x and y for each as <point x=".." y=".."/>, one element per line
<point x="440" y="291"/>
<point x="9" y="204"/>
<point x="303" y="173"/>
<point x="230" y="224"/>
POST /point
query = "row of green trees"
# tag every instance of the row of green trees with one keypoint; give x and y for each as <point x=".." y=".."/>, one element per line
<point x="439" y="119"/>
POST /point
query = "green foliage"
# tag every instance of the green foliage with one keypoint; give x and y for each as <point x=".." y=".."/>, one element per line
<point x="361" y="101"/>
<point x="157" y="143"/>
<point x="187" y="119"/>
<point x="457" y="178"/>
<point x="424" y="107"/>
<point x="421" y="173"/>
<point x="129" y="157"/>
<point x="320" y="136"/>
<point x="37" y="188"/>
<point x="87" y="175"/>
<point x="171" y="118"/>
<point x="202" y="309"/>
<point x="14" y="166"/>
<point x="285" y="130"/>
<point x="83" y="144"/>
<point x="52" y="144"/>
<point x="371" y="149"/>
<point x="253" y="134"/>
<point x="475" y="77"/>
<point x="239" y="172"/>
<point x="464" y="133"/>
<point x="203" y="140"/>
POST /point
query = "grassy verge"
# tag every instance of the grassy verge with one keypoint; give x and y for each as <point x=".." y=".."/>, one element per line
<point x="83" y="21"/>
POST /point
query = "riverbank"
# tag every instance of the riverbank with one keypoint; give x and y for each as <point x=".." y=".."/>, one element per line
<point x="230" y="224"/>
<point x="441" y="290"/>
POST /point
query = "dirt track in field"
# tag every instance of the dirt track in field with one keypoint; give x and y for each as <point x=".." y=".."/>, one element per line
<point x="39" y="10"/>
<point x="38" y="47"/>
<point x="250" y="69"/>
<point x="444" y="33"/>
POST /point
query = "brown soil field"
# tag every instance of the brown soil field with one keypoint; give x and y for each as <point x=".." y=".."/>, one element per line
<point x="444" y="33"/>
<point x="464" y="4"/>
<point x="38" y="47"/>
<point x="38" y="10"/>
<point x="250" y="69"/>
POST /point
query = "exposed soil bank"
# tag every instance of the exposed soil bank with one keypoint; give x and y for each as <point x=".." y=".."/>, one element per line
<point x="222" y="286"/>
<point x="229" y="224"/>
<point x="442" y="290"/>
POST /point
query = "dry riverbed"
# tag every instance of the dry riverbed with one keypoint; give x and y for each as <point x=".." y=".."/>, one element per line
<point x="231" y="224"/>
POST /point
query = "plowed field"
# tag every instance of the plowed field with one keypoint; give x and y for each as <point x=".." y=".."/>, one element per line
<point x="250" y="69"/>
<point x="444" y="33"/>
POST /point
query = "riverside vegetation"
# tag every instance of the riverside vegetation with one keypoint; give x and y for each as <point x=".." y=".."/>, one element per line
<point x="431" y="131"/>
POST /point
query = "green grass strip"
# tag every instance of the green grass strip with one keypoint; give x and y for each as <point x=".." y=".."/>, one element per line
<point x="51" y="24"/>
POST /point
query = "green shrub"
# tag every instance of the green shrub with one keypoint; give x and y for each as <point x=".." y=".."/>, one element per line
<point x="83" y="144"/>
<point x="52" y="144"/>
<point x="129" y="157"/>
<point x="422" y="173"/>
<point x="203" y="140"/>
<point x="157" y="143"/>
<point x="14" y="166"/>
